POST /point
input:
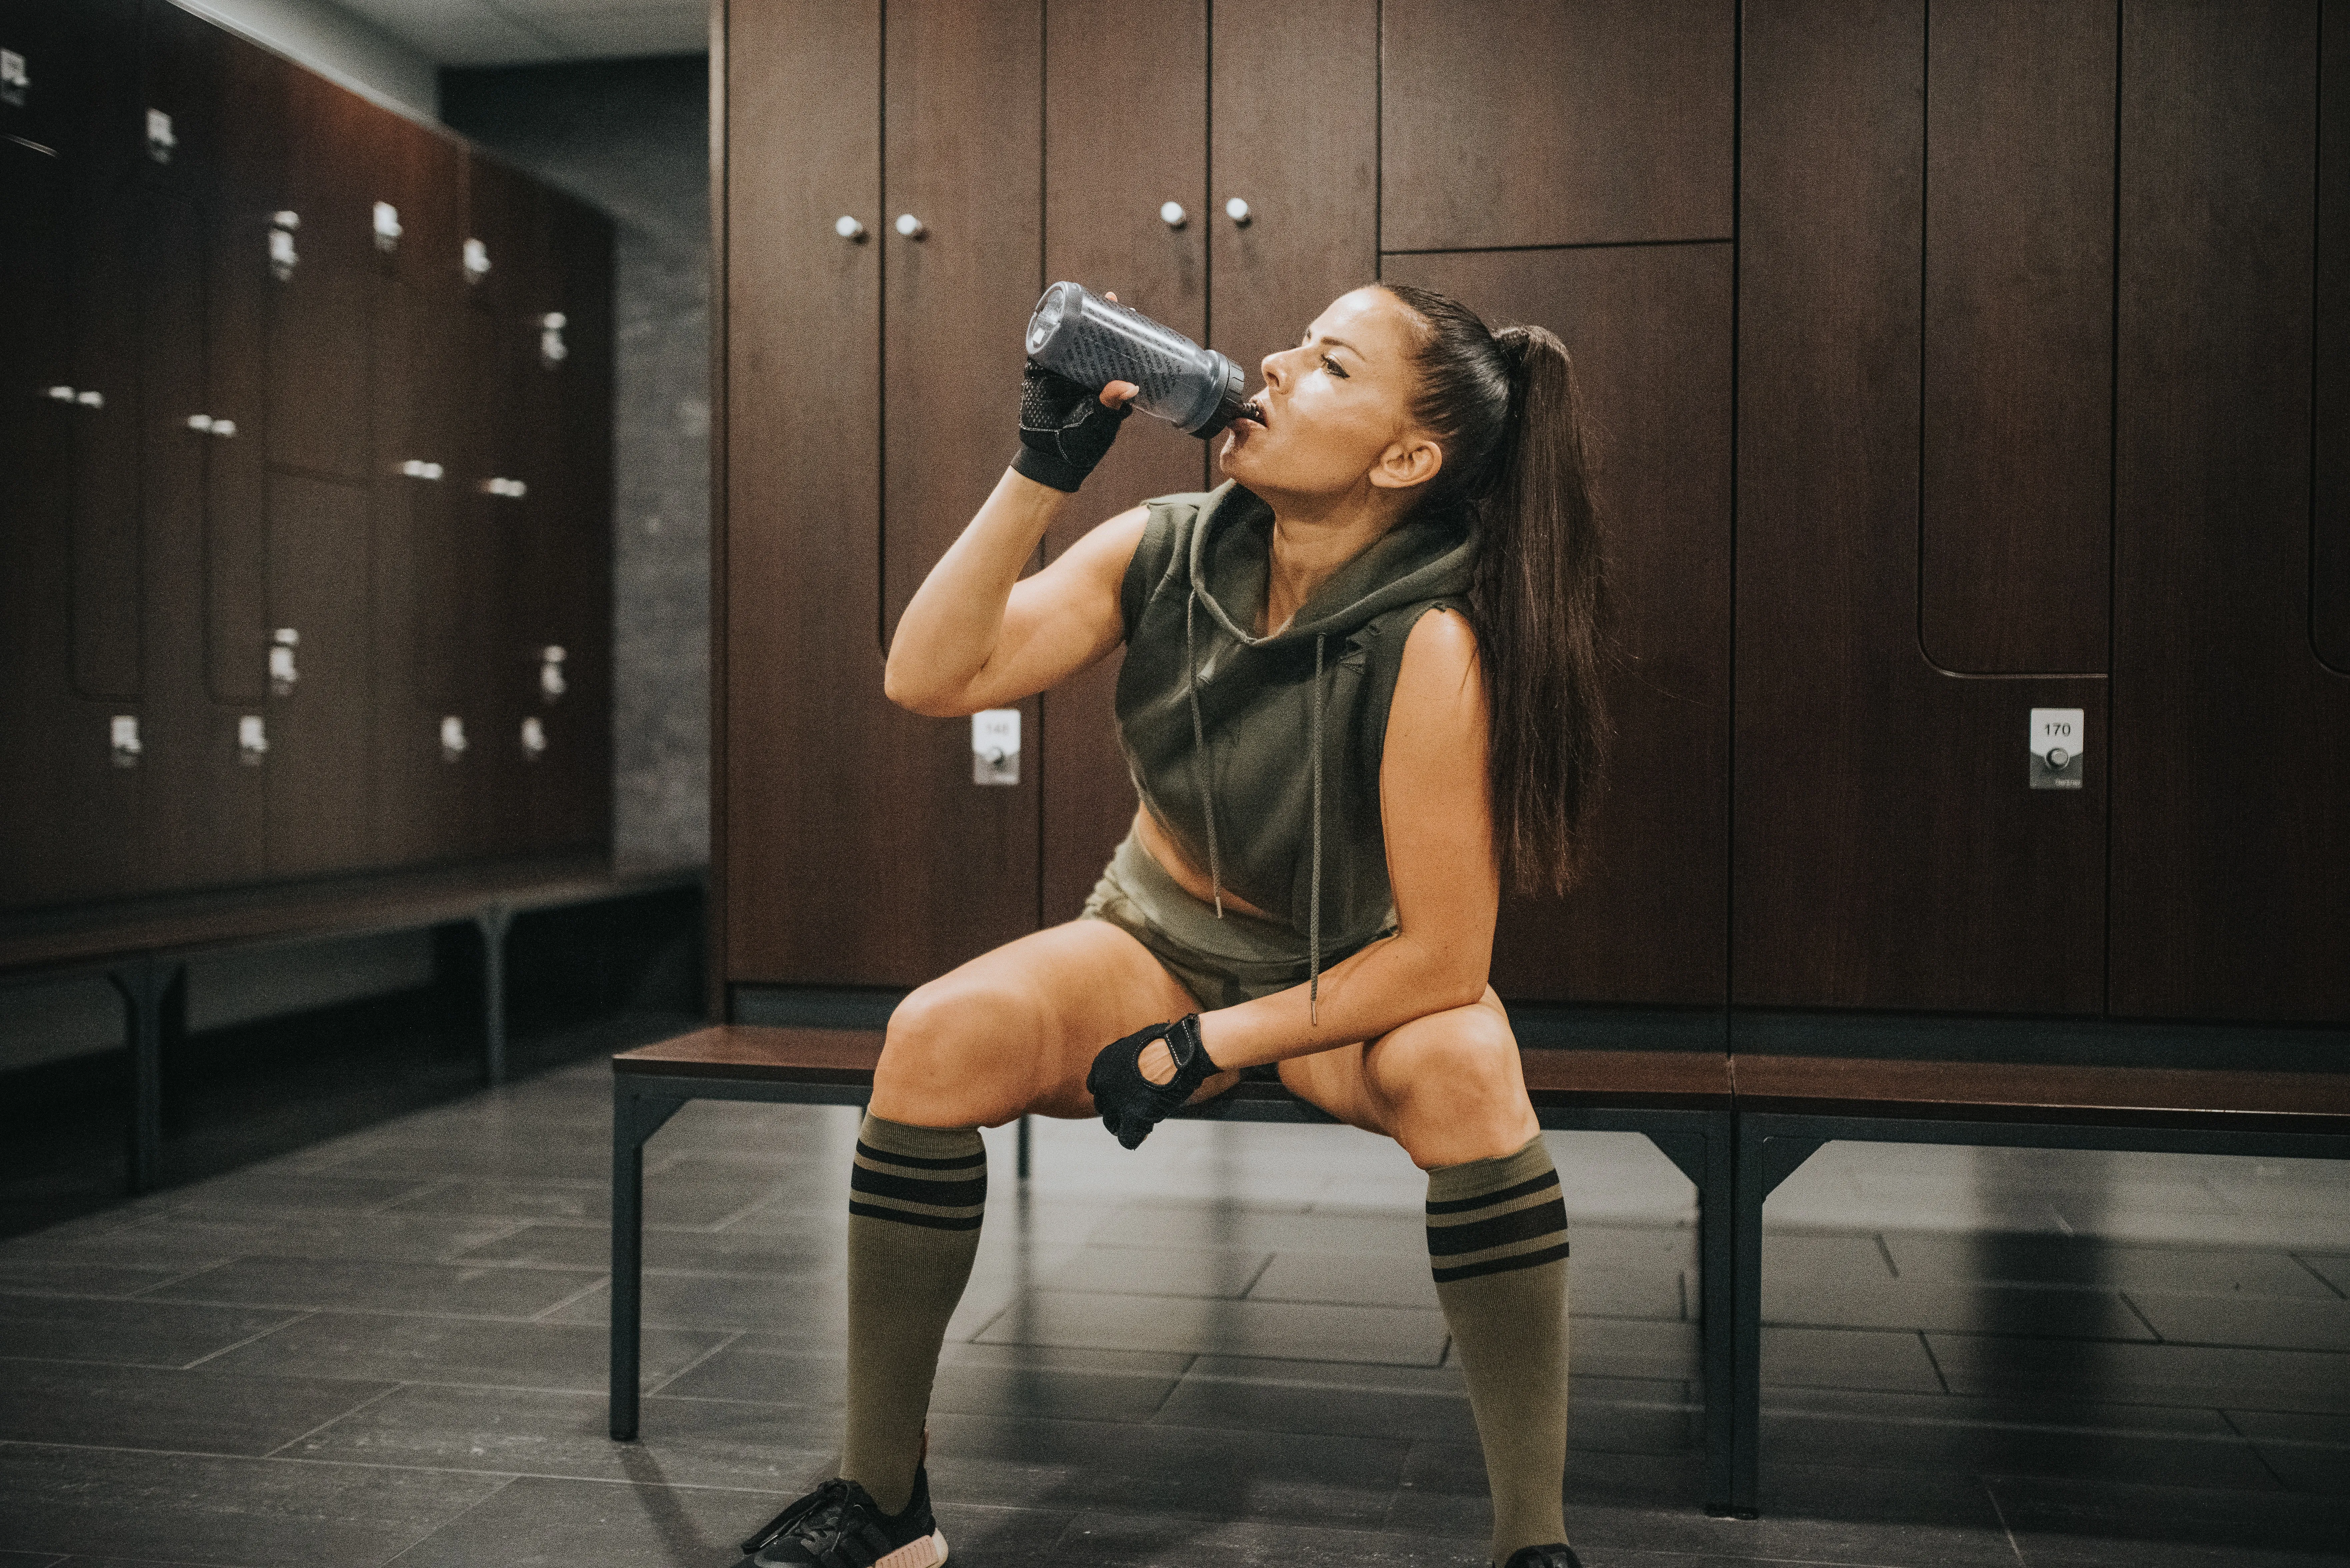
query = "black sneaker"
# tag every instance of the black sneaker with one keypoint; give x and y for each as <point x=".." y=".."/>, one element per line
<point x="1558" y="1554"/>
<point x="838" y="1525"/>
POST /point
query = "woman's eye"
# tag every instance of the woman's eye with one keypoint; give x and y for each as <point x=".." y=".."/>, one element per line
<point x="1332" y="367"/>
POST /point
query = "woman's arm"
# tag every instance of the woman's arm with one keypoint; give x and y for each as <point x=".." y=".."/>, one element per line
<point x="978" y="635"/>
<point x="1436" y="816"/>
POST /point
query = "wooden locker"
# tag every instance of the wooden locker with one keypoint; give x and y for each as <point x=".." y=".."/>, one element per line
<point x="825" y="778"/>
<point x="1104" y="228"/>
<point x="2329" y="597"/>
<point x="1534" y="122"/>
<point x="317" y="766"/>
<point x="1888" y="849"/>
<point x="1648" y="327"/>
<point x="2231" y="737"/>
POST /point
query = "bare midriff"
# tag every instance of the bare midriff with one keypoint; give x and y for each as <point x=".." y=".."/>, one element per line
<point x="1188" y="877"/>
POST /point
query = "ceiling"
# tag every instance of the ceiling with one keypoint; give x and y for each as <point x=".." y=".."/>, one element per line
<point x="531" y="32"/>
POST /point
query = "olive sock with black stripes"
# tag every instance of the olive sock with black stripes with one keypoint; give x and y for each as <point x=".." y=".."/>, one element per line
<point x="1497" y="1242"/>
<point x="916" y="1197"/>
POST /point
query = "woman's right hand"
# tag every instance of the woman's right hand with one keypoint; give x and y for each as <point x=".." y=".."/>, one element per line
<point x="1065" y="429"/>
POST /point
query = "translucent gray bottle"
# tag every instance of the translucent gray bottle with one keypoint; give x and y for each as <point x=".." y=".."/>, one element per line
<point x="1094" y="341"/>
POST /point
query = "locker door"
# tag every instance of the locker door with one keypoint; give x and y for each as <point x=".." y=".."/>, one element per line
<point x="1888" y="849"/>
<point x="318" y="726"/>
<point x="1104" y="228"/>
<point x="1529" y="122"/>
<point x="2231" y="737"/>
<point x="960" y="139"/>
<point x="485" y="582"/>
<point x="1648" y="327"/>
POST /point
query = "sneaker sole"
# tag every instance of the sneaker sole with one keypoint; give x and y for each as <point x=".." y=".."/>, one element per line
<point x="926" y="1553"/>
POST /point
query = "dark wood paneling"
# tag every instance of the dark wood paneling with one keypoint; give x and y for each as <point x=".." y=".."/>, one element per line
<point x="105" y="437"/>
<point x="318" y="778"/>
<point x="2330" y="562"/>
<point x="1888" y="850"/>
<point x="205" y="827"/>
<point x="1306" y="161"/>
<point x="2231" y="743"/>
<point x="1534" y="122"/>
<point x="1648" y="327"/>
<point x="1102" y="228"/>
<point x="2019" y="336"/>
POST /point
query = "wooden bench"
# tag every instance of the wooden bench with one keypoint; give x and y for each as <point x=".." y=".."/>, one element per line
<point x="142" y="946"/>
<point x="1678" y="1100"/>
<point x="1788" y="1106"/>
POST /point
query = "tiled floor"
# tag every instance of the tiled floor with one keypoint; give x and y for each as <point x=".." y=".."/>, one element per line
<point x="1220" y="1349"/>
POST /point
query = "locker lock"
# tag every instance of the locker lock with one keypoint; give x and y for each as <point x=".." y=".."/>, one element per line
<point x="2059" y="736"/>
<point x="387" y="227"/>
<point x="282" y="258"/>
<point x="124" y="734"/>
<point x="551" y="684"/>
<point x="995" y="746"/>
<point x="252" y="740"/>
<point x="206" y="424"/>
<point x="159" y="139"/>
<point x="477" y="261"/>
<point x="534" y="739"/>
<point x="14" y="82"/>
<point x="453" y="739"/>
<point x="282" y="673"/>
<point x="552" y="349"/>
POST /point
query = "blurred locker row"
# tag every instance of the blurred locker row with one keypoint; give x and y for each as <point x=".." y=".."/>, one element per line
<point x="1969" y="383"/>
<point x="306" y="435"/>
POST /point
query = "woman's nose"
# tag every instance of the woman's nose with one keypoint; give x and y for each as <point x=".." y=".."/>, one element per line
<point x="1270" y="367"/>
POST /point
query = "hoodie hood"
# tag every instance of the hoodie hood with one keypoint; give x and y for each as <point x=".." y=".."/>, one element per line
<point x="1230" y="565"/>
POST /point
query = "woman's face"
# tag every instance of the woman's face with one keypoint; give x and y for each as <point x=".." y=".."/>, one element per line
<point x="1336" y="409"/>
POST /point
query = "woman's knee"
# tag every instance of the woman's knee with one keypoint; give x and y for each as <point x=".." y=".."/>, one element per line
<point x="946" y="1058"/>
<point x="1454" y="1088"/>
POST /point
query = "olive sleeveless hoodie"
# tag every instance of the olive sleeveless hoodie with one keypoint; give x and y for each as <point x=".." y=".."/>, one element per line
<point x="1260" y="756"/>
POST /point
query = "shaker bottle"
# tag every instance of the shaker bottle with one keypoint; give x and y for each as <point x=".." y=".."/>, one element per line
<point x="1094" y="341"/>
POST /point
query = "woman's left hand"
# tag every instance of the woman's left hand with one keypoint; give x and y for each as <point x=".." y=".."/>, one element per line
<point x="1130" y="1104"/>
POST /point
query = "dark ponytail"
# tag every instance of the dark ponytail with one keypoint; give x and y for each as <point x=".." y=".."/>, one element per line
<point x="1504" y="408"/>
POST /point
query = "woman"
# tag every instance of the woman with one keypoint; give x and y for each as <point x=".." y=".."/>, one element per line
<point x="1359" y="696"/>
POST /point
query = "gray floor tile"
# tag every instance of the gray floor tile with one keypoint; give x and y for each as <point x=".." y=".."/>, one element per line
<point x="669" y="1200"/>
<point x="1389" y="1279"/>
<point x="148" y="1407"/>
<point x="590" y="1246"/>
<point x="30" y="1558"/>
<point x="258" y="1512"/>
<point x="648" y="1525"/>
<point x="2242" y="1320"/>
<point x="753" y="1303"/>
<point x="975" y="1380"/>
<point x="1117" y="1540"/>
<point x="38" y="1274"/>
<point x="2334" y="1269"/>
<point x="1232" y="1327"/>
<point x="2088" y="1260"/>
<point x="1859" y="1439"/>
<point x="2146" y="1373"/>
<point x="1848" y="1358"/>
<point x="480" y="1351"/>
<point x="449" y="1289"/>
<point x="686" y="1442"/>
<point x="2308" y="1453"/>
<point x="1249" y="1227"/>
<point x="269" y="1192"/>
<point x="1836" y="1259"/>
<point x="127" y="1333"/>
<point x="1162" y="1272"/>
<point x="199" y="1239"/>
<point x="2041" y="1311"/>
<point x="2060" y="1523"/>
<point x="1638" y="1348"/>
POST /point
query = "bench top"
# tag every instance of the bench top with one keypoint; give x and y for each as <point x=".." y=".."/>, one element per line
<point x="768" y="1053"/>
<point x="341" y="906"/>
<point x="2120" y="1095"/>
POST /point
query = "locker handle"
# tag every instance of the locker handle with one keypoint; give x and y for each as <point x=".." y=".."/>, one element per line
<point x="387" y="227"/>
<point x="1238" y="212"/>
<point x="417" y="468"/>
<point x="61" y="394"/>
<point x="477" y="261"/>
<point x="1172" y="215"/>
<point x="847" y="228"/>
<point x="208" y="425"/>
<point x="90" y="400"/>
<point x="912" y="227"/>
<point x="512" y="489"/>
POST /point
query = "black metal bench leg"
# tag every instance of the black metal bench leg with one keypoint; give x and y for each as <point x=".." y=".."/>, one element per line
<point x="1764" y="1160"/>
<point x="494" y="920"/>
<point x="635" y="1118"/>
<point x="154" y="993"/>
<point x="1717" y="1254"/>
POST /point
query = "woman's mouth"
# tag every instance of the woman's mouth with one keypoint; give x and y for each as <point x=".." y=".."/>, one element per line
<point x="1252" y="412"/>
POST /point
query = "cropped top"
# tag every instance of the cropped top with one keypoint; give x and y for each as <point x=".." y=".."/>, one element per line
<point x="1260" y="756"/>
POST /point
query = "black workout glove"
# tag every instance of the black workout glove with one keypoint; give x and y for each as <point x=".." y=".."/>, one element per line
<point x="1131" y="1105"/>
<point x="1065" y="429"/>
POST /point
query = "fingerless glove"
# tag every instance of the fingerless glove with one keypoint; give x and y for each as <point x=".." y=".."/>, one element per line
<point x="1065" y="429"/>
<point x="1131" y="1105"/>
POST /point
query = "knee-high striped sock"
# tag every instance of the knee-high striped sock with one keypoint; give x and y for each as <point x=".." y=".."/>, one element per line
<point x="1497" y="1242"/>
<point x="916" y="1197"/>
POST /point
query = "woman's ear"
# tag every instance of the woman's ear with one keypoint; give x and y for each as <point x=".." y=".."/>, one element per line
<point x="1409" y="461"/>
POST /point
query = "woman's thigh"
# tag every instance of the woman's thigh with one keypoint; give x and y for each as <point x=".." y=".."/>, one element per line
<point x="1449" y="1087"/>
<point x="1014" y="1029"/>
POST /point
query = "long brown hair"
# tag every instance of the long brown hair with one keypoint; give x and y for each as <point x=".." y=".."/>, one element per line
<point x="1504" y="408"/>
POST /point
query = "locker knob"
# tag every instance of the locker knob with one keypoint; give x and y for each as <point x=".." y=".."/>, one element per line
<point x="201" y="422"/>
<point x="282" y="258"/>
<point x="477" y="261"/>
<point x="285" y="219"/>
<point x="1238" y="212"/>
<point x="1172" y="215"/>
<point x="453" y="738"/>
<point x="122" y="733"/>
<point x="912" y="227"/>
<point x="252" y="740"/>
<point x="551" y="683"/>
<point x="159" y="138"/>
<point x="2058" y="756"/>
<point x="534" y="739"/>
<point x="512" y="489"/>
<point x="89" y="399"/>
<point x="62" y="394"/>
<point x="282" y="673"/>
<point x="849" y="228"/>
<point x="387" y="227"/>
<point x="552" y="349"/>
<point x="13" y="78"/>
<point x="417" y="468"/>
<point x="224" y="427"/>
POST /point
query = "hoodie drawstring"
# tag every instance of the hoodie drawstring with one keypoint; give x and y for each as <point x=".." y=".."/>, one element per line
<point x="1199" y="752"/>
<point x="1314" y="913"/>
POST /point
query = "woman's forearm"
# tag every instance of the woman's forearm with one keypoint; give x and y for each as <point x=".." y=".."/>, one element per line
<point x="1382" y="987"/>
<point x="954" y="622"/>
